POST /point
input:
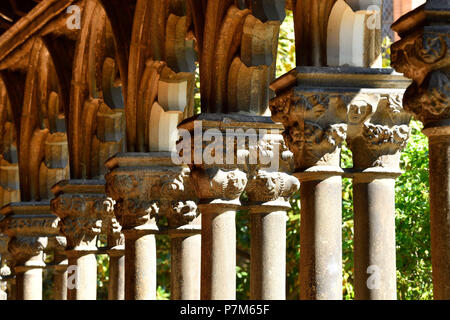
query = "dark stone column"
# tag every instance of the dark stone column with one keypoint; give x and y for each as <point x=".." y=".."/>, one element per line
<point x="423" y="55"/>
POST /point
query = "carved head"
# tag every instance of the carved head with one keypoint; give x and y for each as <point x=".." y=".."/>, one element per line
<point x="361" y="107"/>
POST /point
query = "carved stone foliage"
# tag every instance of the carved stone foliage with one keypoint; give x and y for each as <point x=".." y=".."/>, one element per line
<point x="110" y="226"/>
<point x="422" y="54"/>
<point x="237" y="44"/>
<point x="133" y="213"/>
<point x="28" y="225"/>
<point x="23" y="248"/>
<point x="219" y="185"/>
<point x="97" y="122"/>
<point x="81" y="218"/>
<point x="315" y="125"/>
<point x="266" y="186"/>
<point x="144" y="193"/>
<point x="378" y="129"/>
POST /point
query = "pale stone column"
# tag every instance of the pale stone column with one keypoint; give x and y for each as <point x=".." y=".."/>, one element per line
<point x="116" y="286"/>
<point x="4" y="270"/>
<point x="377" y="132"/>
<point x="179" y="204"/>
<point x="185" y="260"/>
<point x="80" y="205"/>
<point x="137" y="182"/>
<point x="423" y="55"/>
<point x="60" y="263"/>
<point x="268" y="194"/>
<point x="27" y="243"/>
<point x="320" y="233"/>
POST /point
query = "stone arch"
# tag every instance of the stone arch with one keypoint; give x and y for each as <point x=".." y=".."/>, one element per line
<point x="354" y="34"/>
<point x="43" y="151"/>
<point x="9" y="168"/>
<point x="97" y="121"/>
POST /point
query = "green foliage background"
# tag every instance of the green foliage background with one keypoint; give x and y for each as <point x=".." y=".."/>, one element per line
<point x="412" y="217"/>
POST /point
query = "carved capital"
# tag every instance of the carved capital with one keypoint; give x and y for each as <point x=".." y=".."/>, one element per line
<point x="381" y="132"/>
<point x="270" y="186"/>
<point x="430" y="101"/>
<point x="134" y="213"/>
<point x="180" y="213"/>
<point x="322" y="107"/>
<point x="315" y="125"/>
<point x="423" y="55"/>
<point x="219" y="185"/>
<point x="81" y="218"/>
<point x="110" y="226"/>
<point x="27" y="250"/>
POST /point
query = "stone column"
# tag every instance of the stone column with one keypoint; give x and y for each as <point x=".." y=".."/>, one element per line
<point x="423" y="55"/>
<point x="219" y="183"/>
<point x="185" y="258"/>
<point x="179" y="204"/>
<point x="80" y="205"/>
<point x="4" y="269"/>
<point x="116" y="252"/>
<point x="28" y="225"/>
<point x="137" y="182"/>
<point x="268" y="193"/>
<point x="313" y="103"/>
<point x="377" y="132"/>
<point x="60" y="264"/>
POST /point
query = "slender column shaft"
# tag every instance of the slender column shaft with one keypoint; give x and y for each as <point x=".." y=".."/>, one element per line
<point x="440" y="214"/>
<point x="60" y="277"/>
<point x="82" y="277"/>
<point x="140" y="266"/>
<point x="60" y="280"/>
<point x="374" y="240"/>
<point x="218" y="265"/>
<point x="321" y="238"/>
<point x="185" y="272"/>
<point x="29" y="278"/>
<point x="29" y="283"/>
<point x="116" y="289"/>
<point x="268" y="256"/>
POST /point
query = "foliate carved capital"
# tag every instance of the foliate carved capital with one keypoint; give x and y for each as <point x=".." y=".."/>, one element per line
<point x="423" y="55"/>
<point x="430" y="101"/>
<point x="315" y="125"/>
<point x="381" y="132"/>
<point x="27" y="250"/>
<point x="81" y="218"/>
<point x="415" y="55"/>
<point x="269" y="186"/>
<point x="122" y="185"/>
<point x="180" y="213"/>
<point x="110" y="226"/>
<point x="220" y="184"/>
<point x="134" y="213"/>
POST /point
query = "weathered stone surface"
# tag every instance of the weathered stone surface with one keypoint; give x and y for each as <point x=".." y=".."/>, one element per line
<point x="28" y="225"/>
<point x="422" y="54"/>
